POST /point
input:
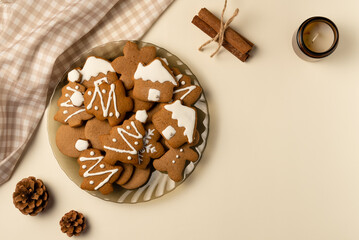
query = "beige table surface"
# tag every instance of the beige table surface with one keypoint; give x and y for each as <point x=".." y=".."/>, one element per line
<point x="282" y="161"/>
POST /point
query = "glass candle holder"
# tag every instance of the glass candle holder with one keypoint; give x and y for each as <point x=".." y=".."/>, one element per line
<point x="315" y="39"/>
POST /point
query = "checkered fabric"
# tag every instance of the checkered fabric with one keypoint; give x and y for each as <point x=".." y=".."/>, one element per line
<point x="38" y="41"/>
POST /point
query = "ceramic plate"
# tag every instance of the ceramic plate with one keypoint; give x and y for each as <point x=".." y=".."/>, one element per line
<point x="159" y="183"/>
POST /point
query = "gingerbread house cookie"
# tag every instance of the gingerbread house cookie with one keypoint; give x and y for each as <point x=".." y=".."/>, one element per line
<point x="176" y="123"/>
<point x="95" y="68"/>
<point x="154" y="82"/>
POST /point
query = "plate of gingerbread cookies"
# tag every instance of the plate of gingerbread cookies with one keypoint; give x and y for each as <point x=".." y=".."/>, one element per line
<point x="128" y="122"/>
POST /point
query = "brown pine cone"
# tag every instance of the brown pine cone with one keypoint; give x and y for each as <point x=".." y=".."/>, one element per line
<point x="30" y="196"/>
<point x="73" y="223"/>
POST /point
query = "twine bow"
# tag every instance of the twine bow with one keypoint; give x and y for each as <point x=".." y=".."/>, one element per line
<point x="223" y="28"/>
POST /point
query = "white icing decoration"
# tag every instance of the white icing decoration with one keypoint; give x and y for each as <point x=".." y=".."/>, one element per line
<point x="94" y="66"/>
<point x="75" y="113"/>
<point x="92" y="182"/>
<point x="83" y="166"/>
<point x="147" y="146"/>
<point x="169" y="132"/>
<point x="96" y="108"/>
<point x="178" y="77"/>
<point x="136" y="143"/>
<point x="111" y="95"/>
<point x="73" y="75"/>
<point x="103" y="91"/>
<point x="177" y="156"/>
<point x="173" y="161"/>
<point x="102" y="165"/>
<point x="89" y="93"/>
<point x="81" y="145"/>
<point x="181" y="150"/>
<point x="183" y="82"/>
<point x="92" y="153"/>
<point x="141" y="115"/>
<point x="153" y="94"/>
<point x="76" y="99"/>
<point x="185" y="116"/>
<point x="189" y="89"/>
<point x="111" y="114"/>
<point x="89" y="174"/>
<point x="128" y="127"/>
<point x="77" y="87"/>
<point x="121" y="132"/>
<point x="165" y="60"/>
<point x="65" y="112"/>
<point x="114" y="140"/>
<point x="129" y="157"/>
<point x="154" y="72"/>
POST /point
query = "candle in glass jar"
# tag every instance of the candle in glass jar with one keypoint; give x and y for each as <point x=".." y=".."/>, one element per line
<point x="316" y="38"/>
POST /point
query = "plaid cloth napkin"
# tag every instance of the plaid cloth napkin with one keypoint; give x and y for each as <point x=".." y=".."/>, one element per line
<point x="38" y="41"/>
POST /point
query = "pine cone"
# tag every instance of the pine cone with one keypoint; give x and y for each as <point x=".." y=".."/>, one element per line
<point x="30" y="196"/>
<point x="73" y="223"/>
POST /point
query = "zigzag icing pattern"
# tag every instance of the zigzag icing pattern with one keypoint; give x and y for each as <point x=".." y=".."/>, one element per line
<point x="89" y="174"/>
<point x="121" y="131"/>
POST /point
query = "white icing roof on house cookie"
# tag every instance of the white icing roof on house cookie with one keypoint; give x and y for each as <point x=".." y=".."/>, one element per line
<point x="154" y="72"/>
<point x="93" y="67"/>
<point x="185" y="116"/>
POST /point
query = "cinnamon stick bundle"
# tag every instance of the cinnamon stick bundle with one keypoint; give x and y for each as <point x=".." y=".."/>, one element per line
<point x="212" y="33"/>
<point x="233" y="41"/>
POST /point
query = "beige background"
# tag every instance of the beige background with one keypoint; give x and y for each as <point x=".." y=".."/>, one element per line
<point x="282" y="156"/>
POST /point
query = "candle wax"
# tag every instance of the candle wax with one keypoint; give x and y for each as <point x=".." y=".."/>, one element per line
<point x="318" y="37"/>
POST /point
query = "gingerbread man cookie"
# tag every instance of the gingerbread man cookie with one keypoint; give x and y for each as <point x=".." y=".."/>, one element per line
<point x="174" y="161"/>
<point x="126" y="65"/>
<point x="95" y="68"/>
<point x="186" y="91"/>
<point x="97" y="174"/>
<point x="72" y="110"/>
<point x="108" y="101"/>
<point x="176" y="123"/>
<point x="154" y="82"/>
<point x="124" y="142"/>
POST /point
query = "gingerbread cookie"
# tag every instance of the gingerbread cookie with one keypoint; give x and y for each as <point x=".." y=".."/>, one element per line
<point x="95" y="128"/>
<point x="72" y="110"/>
<point x="138" y="104"/>
<point x="138" y="178"/>
<point x="154" y="82"/>
<point x="176" y="123"/>
<point x="124" y="142"/>
<point x="174" y="161"/>
<point x="108" y="101"/>
<point x="97" y="174"/>
<point x="95" y="68"/>
<point x="152" y="148"/>
<point x="186" y="91"/>
<point x="71" y="141"/>
<point x="126" y="173"/>
<point x="126" y="65"/>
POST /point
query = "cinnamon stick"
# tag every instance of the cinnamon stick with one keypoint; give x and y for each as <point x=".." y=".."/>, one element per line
<point x="231" y="36"/>
<point x="212" y="33"/>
